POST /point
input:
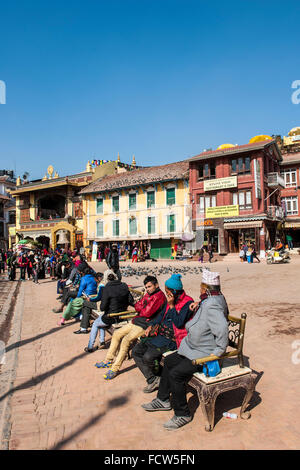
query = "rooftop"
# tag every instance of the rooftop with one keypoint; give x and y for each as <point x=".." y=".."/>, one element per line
<point x="237" y="149"/>
<point x="153" y="174"/>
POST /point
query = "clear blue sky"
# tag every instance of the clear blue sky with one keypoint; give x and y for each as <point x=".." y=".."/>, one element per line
<point x="161" y="79"/>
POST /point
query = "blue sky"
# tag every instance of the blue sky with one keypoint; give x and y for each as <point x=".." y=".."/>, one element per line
<point x="162" y="80"/>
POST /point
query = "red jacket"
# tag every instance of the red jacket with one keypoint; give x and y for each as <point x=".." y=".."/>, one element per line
<point x="180" y="333"/>
<point x="23" y="262"/>
<point x="150" y="304"/>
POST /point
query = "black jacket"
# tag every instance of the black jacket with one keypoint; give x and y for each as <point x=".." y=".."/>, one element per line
<point x="112" y="259"/>
<point x="115" y="298"/>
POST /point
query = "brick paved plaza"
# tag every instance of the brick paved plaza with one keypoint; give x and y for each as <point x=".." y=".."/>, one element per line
<point x="61" y="401"/>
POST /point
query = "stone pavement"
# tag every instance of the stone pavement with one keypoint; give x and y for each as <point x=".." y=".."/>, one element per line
<point x="61" y="401"/>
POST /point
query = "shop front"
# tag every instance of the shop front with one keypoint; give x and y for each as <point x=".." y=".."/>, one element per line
<point x="243" y="232"/>
<point x="292" y="229"/>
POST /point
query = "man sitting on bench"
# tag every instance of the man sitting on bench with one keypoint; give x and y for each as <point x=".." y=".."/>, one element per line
<point x="115" y="298"/>
<point x="149" y="306"/>
<point x="207" y="334"/>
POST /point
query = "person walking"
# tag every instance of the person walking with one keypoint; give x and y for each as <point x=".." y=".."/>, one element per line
<point x="23" y="262"/>
<point x="210" y="252"/>
<point x="112" y="261"/>
<point x="134" y="254"/>
<point x="289" y="240"/>
<point x="254" y="253"/>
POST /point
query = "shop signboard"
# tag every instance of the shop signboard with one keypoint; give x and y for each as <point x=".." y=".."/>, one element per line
<point x="222" y="211"/>
<point x="257" y="179"/>
<point x="220" y="183"/>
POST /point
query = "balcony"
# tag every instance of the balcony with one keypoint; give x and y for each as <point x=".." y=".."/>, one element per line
<point x="275" y="180"/>
<point x="275" y="212"/>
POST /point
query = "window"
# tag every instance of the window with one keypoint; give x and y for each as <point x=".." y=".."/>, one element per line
<point x="171" y="226"/>
<point x="170" y="196"/>
<point x="132" y="226"/>
<point x="150" y="199"/>
<point x="291" y="204"/>
<point x="241" y="165"/>
<point x="290" y="177"/>
<point x="99" y="228"/>
<point x="77" y="210"/>
<point x="206" y="201"/>
<point x="100" y="205"/>
<point x="207" y="170"/>
<point x="132" y="201"/>
<point x="116" y="228"/>
<point x="243" y="199"/>
<point x="151" y="225"/>
<point x="115" y="204"/>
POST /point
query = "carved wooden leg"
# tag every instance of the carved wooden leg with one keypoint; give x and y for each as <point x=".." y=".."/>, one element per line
<point x="207" y="402"/>
<point x="250" y="387"/>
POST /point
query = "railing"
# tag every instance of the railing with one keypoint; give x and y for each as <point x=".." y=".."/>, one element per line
<point x="275" y="212"/>
<point x="275" y="180"/>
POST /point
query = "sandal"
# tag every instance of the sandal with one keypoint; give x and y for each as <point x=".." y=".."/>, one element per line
<point x="103" y="365"/>
<point x="61" y="322"/>
<point x="110" y="374"/>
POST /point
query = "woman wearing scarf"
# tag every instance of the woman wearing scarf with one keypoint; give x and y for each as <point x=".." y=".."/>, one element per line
<point x="207" y="334"/>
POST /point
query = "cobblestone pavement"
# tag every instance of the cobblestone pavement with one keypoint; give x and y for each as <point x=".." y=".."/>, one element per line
<point x="61" y="401"/>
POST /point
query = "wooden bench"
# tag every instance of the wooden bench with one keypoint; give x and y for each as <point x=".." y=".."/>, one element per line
<point x="233" y="374"/>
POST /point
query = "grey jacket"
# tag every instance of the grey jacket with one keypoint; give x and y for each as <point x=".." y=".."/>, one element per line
<point x="207" y="330"/>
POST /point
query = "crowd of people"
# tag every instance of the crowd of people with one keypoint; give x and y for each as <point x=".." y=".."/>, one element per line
<point x="169" y="321"/>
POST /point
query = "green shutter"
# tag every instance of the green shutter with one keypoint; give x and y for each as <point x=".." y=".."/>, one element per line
<point x="150" y="199"/>
<point x="170" y="196"/>
<point x="116" y="228"/>
<point x="99" y="228"/>
<point x="171" y="223"/>
<point x="115" y="203"/>
<point x="100" y="206"/>
<point x="132" y="226"/>
<point x="132" y="201"/>
<point x="151" y="225"/>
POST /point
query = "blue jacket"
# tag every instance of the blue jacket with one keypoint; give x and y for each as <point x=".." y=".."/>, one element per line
<point x="88" y="285"/>
<point x="97" y="297"/>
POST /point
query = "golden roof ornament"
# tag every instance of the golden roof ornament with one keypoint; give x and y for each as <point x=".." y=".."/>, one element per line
<point x="56" y="175"/>
<point x="118" y="160"/>
<point x="50" y="170"/>
<point x="88" y="166"/>
<point x="45" y="178"/>
<point x="133" y="161"/>
<point x="18" y="182"/>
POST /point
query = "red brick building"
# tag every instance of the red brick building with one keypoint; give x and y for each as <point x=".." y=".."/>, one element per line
<point x="235" y="196"/>
<point x="290" y="195"/>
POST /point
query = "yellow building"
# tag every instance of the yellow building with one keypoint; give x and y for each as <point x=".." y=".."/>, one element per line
<point x="146" y="205"/>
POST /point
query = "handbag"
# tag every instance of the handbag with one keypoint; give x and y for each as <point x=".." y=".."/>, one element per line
<point x="211" y="369"/>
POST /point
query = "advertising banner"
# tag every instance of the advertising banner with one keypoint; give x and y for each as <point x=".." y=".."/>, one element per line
<point x="220" y="183"/>
<point x="221" y="211"/>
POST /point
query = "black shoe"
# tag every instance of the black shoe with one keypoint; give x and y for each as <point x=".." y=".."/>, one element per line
<point x="59" y="297"/>
<point x="80" y="332"/>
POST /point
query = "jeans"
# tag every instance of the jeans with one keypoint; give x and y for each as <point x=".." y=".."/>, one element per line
<point x="97" y="325"/>
<point x="120" y="343"/>
<point x="290" y="244"/>
<point x="22" y="272"/>
<point x="177" y="371"/>
<point x="145" y="355"/>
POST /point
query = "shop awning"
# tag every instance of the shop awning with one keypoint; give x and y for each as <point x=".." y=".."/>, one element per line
<point x="292" y="225"/>
<point x="248" y="224"/>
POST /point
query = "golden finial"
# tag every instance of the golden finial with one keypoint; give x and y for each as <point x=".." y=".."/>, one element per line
<point x="118" y="160"/>
<point x="133" y="161"/>
<point x="88" y="166"/>
<point x="45" y="177"/>
<point x="18" y="182"/>
<point x="50" y="170"/>
<point x="56" y="175"/>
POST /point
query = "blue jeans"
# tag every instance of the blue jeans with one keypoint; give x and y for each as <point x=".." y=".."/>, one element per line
<point x="290" y="244"/>
<point x="97" y="325"/>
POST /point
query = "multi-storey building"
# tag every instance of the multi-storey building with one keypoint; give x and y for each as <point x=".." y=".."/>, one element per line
<point x="148" y="205"/>
<point x="7" y="207"/>
<point x="290" y="195"/>
<point x="49" y="210"/>
<point x="235" y="195"/>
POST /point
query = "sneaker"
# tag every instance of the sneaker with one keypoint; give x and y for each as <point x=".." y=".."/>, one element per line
<point x="103" y="365"/>
<point x="110" y="374"/>
<point x="102" y="345"/>
<point x="80" y="332"/>
<point x="90" y="350"/>
<point x="57" y="310"/>
<point x="153" y="386"/>
<point x="157" y="405"/>
<point x="177" y="422"/>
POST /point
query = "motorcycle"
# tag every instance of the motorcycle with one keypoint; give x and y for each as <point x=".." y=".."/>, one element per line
<point x="277" y="257"/>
